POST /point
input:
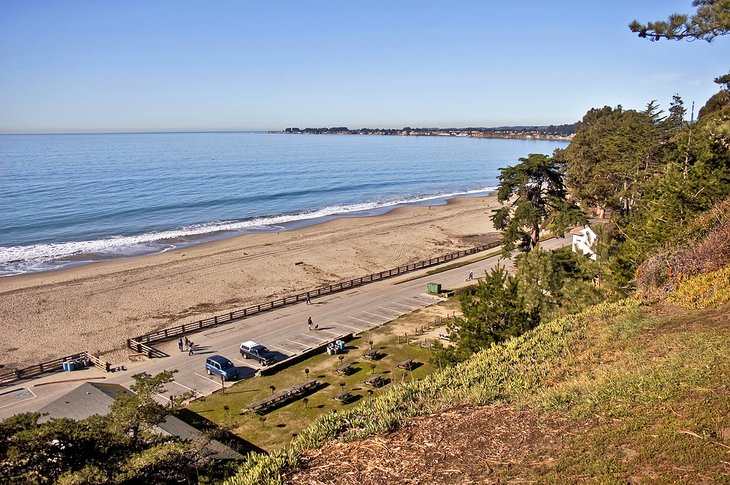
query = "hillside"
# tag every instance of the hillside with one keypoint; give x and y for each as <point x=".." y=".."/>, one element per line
<point x="621" y="392"/>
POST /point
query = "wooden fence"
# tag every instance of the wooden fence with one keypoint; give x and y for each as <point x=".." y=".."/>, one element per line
<point x="56" y="365"/>
<point x="141" y="343"/>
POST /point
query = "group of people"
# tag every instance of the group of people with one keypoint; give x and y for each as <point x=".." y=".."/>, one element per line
<point x="185" y="344"/>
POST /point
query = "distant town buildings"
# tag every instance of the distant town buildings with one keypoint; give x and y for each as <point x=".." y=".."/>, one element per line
<point x="552" y="132"/>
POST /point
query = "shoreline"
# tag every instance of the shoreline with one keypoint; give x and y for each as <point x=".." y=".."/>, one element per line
<point x="229" y="230"/>
<point x="95" y="307"/>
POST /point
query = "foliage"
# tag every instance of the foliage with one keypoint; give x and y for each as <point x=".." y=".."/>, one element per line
<point x="557" y="282"/>
<point x="613" y="153"/>
<point x="538" y="198"/>
<point x="702" y="291"/>
<point x="711" y="20"/>
<point x="705" y="248"/>
<point x="505" y="371"/>
<point x="119" y="447"/>
<point x="696" y="175"/>
<point x="138" y="411"/>
<point x="653" y="173"/>
<point x="493" y="311"/>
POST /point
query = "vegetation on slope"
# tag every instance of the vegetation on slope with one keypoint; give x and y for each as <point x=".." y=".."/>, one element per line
<point x="636" y="391"/>
<point x="501" y="372"/>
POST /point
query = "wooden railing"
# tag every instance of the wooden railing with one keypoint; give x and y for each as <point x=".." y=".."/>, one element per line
<point x="141" y="348"/>
<point x="10" y="376"/>
<point x="143" y="341"/>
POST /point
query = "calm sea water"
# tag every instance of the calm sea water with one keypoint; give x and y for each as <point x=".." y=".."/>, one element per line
<point x="72" y="199"/>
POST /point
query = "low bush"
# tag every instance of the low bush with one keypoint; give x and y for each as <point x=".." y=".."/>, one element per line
<point x="702" y="291"/>
<point x="709" y="252"/>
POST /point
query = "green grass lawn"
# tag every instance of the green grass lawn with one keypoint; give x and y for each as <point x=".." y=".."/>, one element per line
<point x="276" y="428"/>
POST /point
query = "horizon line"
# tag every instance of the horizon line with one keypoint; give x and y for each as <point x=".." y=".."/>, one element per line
<point x="162" y="132"/>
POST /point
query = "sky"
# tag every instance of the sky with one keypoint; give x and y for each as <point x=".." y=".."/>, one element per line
<point x="164" y="65"/>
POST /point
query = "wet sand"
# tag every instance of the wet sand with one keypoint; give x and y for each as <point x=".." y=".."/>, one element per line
<point x="96" y="307"/>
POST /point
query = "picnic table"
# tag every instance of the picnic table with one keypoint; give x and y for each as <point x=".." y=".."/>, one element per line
<point x="343" y="397"/>
<point x="407" y="364"/>
<point x="283" y="396"/>
<point x="344" y="370"/>
<point x="372" y="354"/>
<point x="375" y="380"/>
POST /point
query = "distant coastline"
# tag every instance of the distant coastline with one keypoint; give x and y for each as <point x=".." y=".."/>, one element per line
<point x="552" y="132"/>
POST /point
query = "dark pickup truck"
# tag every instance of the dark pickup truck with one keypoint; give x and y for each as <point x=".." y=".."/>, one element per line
<point x="252" y="350"/>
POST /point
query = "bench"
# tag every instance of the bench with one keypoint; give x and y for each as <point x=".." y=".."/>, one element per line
<point x="344" y="370"/>
<point x="282" y="396"/>
<point x="407" y="364"/>
<point x="375" y="380"/>
<point x="344" y="397"/>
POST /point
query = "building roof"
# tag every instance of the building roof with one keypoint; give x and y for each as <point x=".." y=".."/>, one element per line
<point x="86" y="400"/>
<point x="97" y="398"/>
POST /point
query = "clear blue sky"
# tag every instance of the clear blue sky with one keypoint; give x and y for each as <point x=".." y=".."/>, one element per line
<point x="245" y="65"/>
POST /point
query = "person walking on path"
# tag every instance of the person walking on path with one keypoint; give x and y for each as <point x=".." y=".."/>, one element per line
<point x="309" y="323"/>
<point x="180" y="344"/>
<point x="190" y="347"/>
<point x="309" y="300"/>
<point x="470" y="277"/>
<point x="187" y="343"/>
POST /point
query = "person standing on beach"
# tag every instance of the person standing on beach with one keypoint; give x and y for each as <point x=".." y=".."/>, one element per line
<point x="180" y="344"/>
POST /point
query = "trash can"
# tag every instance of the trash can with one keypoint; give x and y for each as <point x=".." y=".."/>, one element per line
<point x="69" y="366"/>
<point x="434" y="287"/>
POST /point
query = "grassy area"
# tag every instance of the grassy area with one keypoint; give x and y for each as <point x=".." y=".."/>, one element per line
<point x="650" y="404"/>
<point x="275" y="429"/>
<point x="640" y="393"/>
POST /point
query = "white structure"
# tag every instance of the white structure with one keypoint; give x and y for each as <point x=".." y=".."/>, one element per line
<point x="583" y="240"/>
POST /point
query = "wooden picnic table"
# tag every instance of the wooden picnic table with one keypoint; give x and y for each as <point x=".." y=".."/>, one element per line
<point x="406" y="364"/>
<point x="283" y="396"/>
<point x="345" y="370"/>
<point x="375" y="380"/>
<point x="371" y="354"/>
<point x="343" y="396"/>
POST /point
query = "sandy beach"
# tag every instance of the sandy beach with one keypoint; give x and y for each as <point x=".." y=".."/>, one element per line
<point x="98" y="306"/>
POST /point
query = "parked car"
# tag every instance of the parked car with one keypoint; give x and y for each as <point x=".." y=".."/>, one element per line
<point x="220" y="366"/>
<point x="252" y="350"/>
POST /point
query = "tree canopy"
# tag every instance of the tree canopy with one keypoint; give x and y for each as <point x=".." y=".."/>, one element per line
<point x="613" y="152"/>
<point x="119" y="447"/>
<point x="537" y="198"/>
<point x="712" y="19"/>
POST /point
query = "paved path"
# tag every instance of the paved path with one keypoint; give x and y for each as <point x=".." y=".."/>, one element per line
<point x="284" y="331"/>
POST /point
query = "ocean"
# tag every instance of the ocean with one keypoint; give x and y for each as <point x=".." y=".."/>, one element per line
<point x="74" y="199"/>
